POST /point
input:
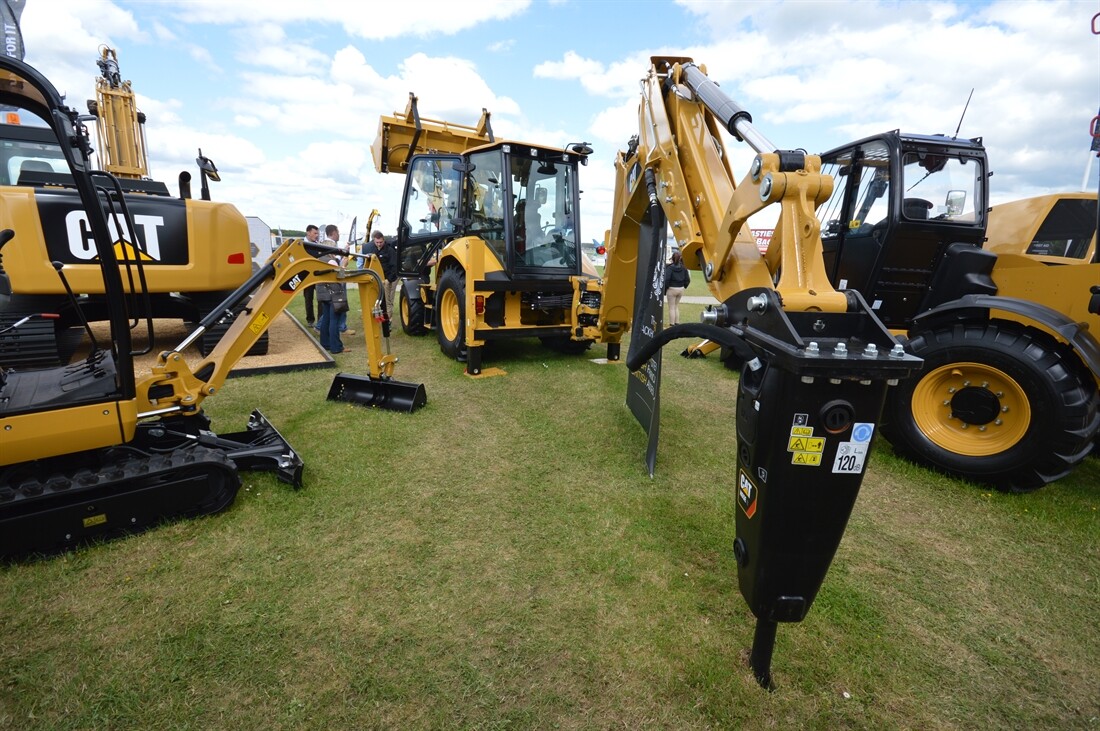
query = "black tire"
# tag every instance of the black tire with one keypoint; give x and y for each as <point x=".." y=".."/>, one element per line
<point x="565" y="344"/>
<point x="411" y="312"/>
<point x="450" y="311"/>
<point x="995" y="402"/>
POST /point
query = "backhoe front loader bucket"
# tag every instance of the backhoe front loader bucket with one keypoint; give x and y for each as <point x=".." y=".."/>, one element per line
<point x="382" y="393"/>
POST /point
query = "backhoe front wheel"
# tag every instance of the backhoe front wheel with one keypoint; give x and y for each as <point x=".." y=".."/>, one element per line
<point x="450" y="308"/>
<point x="411" y="312"/>
<point x="995" y="402"/>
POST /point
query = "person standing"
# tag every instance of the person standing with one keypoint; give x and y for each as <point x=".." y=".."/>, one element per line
<point x="332" y="238"/>
<point x="387" y="257"/>
<point x="677" y="280"/>
<point x="312" y="234"/>
<point x="328" y="321"/>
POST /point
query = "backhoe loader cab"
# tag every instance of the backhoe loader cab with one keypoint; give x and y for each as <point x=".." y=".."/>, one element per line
<point x="489" y="246"/>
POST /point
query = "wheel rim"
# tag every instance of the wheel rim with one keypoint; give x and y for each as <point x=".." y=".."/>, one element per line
<point x="404" y="310"/>
<point x="449" y="314"/>
<point x="971" y="408"/>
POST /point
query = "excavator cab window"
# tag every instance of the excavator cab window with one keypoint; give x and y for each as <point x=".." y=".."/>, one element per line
<point x="30" y="147"/>
<point x="941" y="188"/>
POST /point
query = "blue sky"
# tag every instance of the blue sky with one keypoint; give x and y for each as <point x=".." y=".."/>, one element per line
<point x="285" y="96"/>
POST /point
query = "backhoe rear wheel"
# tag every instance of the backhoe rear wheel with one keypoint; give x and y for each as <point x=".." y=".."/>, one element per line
<point x="450" y="308"/>
<point x="411" y="312"/>
<point x="995" y="402"/>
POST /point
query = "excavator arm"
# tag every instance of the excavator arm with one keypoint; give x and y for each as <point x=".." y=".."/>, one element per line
<point x="818" y="361"/>
<point x="679" y="141"/>
<point x="119" y="125"/>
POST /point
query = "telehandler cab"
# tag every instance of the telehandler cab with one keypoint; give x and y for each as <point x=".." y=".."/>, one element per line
<point x="92" y="449"/>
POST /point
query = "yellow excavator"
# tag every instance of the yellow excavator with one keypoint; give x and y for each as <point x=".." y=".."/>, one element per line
<point x="93" y="449"/>
<point x="188" y="253"/>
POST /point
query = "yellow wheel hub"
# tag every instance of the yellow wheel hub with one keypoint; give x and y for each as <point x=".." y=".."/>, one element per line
<point x="450" y="315"/>
<point x="971" y="408"/>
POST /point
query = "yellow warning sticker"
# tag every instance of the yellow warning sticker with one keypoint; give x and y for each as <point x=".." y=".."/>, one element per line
<point x="809" y="459"/>
<point x="804" y="444"/>
<point x="260" y="323"/>
<point x="802" y="431"/>
<point x="95" y="520"/>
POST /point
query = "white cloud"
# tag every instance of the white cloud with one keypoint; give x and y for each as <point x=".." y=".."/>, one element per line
<point x="370" y="21"/>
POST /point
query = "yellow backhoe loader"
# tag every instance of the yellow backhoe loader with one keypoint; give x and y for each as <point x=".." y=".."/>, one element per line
<point x="93" y="449"/>
<point x="489" y="237"/>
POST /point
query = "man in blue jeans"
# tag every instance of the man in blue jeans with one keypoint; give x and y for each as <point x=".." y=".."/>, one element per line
<point x="332" y="238"/>
<point x="328" y="323"/>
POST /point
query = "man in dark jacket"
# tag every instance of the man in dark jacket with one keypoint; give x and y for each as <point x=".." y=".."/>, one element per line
<point x="387" y="256"/>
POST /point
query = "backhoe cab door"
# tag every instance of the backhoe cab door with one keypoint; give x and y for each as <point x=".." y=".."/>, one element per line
<point x="428" y="211"/>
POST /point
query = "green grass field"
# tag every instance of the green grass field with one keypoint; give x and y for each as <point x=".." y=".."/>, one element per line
<point x="501" y="559"/>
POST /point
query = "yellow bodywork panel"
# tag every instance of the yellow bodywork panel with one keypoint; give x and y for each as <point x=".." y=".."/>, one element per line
<point x="36" y="435"/>
<point x="1014" y="226"/>
<point x="219" y="252"/>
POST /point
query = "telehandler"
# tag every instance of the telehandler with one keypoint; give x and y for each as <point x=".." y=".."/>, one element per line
<point x="999" y="302"/>
<point x="92" y="449"/>
<point x="996" y="301"/>
<point x="188" y="254"/>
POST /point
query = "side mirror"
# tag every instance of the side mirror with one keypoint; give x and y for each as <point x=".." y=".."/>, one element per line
<point x="956" y="201"/>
